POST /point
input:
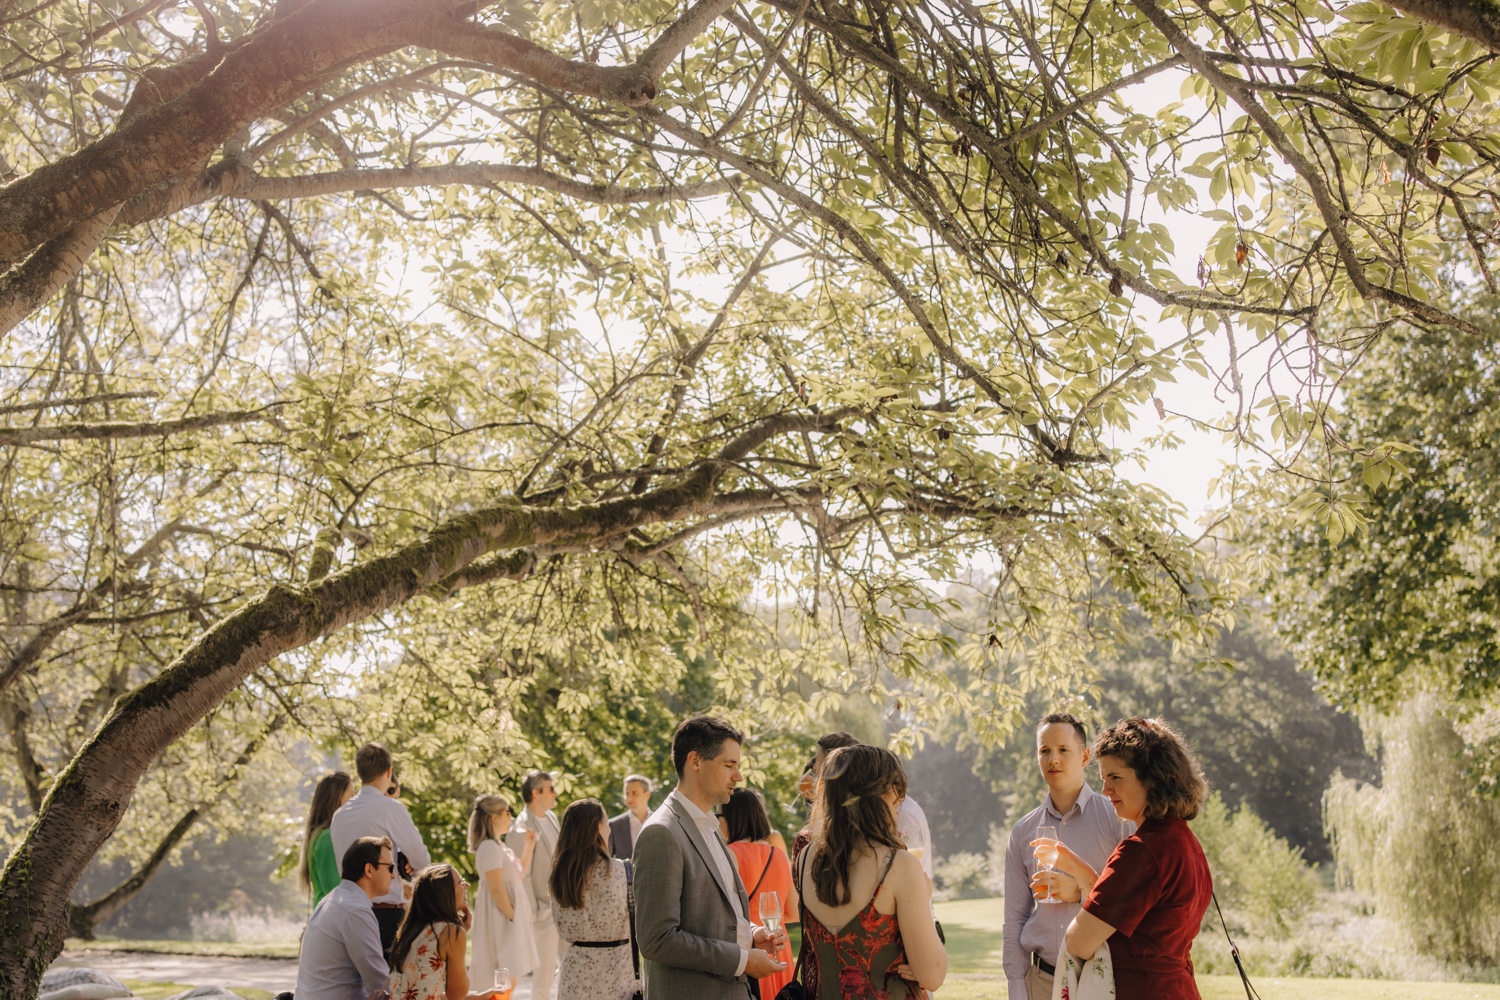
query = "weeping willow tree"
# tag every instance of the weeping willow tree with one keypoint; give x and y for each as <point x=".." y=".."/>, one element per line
<point x="1422" y="844"/>
<point x="455" y="342"/>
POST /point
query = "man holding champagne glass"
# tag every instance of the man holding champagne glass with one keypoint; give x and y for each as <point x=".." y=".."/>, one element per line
<point x="1039" y="902"/>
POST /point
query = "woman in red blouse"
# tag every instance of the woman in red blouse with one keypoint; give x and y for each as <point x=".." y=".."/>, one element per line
<point x="1149" y="900"/>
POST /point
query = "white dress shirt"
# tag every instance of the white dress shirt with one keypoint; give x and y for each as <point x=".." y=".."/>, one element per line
<point x="340" y="957"/>
<point x="635" y="827"/>
<point x="708" y="825"/>
<point x="372" y="813"/>
<point x="911" y="824"/>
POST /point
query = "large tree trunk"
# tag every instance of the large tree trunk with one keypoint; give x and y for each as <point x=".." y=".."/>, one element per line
<point x="86" y="802"/>
<point x="84" y="917"/>
<point x="1478" y="20"/>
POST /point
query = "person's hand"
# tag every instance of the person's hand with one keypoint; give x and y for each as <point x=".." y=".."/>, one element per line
<point x="1064" y="887"/>
<point x="530" y="838"/>
<point x="465" y="917"/>
<point x="760" y="965"/>
<point x="775" y="943"/>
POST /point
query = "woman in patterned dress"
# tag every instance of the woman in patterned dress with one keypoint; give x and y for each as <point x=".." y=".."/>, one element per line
<point x="590" y="900"/>
<point x="427" y="957"/>
<point x="869" y="933"/>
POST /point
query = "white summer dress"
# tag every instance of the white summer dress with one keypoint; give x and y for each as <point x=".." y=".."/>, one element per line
<point x="497" y="942"/>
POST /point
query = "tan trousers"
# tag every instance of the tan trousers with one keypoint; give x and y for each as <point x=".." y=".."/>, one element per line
<point x="1038" y="984"/>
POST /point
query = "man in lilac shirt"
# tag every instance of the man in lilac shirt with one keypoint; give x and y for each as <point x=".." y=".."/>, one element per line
<point x="1087" y="823"/>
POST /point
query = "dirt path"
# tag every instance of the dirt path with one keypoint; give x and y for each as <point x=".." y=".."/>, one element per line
<point x="271" y="974"/>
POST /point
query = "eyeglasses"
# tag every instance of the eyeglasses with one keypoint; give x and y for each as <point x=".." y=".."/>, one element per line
<point x="387" y="864"/>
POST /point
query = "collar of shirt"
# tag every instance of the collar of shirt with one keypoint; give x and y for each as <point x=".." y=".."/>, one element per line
<point x="1084" y="798"/>
<point x="706" y="821"/>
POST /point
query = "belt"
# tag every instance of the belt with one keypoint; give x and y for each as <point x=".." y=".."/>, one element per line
<point x="601" y="944"/>
<point x="387" y="906"/>
<point x="1043" y="964"/>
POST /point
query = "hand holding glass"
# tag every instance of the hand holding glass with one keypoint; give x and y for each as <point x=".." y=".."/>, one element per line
<point x="1046" y="854"/>
<point x="504" y="984"/>
<point x="770" y="911"/>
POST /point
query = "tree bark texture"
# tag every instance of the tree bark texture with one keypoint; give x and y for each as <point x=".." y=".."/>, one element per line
<point x="87" y="800"/>
<point x="84" y="917"/>
<point x="1477" y="20"/>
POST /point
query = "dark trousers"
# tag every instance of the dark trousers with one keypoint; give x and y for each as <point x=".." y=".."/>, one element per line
<point x="389" y="919"/>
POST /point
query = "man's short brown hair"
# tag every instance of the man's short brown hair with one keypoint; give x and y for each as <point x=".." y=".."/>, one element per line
<point x="364" y="851"/>
<point x="371" y="761"/>
<point x="1160" y="758"/>
<point x="531" y="783"/>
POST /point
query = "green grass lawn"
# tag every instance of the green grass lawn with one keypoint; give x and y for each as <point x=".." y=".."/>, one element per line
<point x="222" y="949"/>
<point x="975" y="973"/>
<point x="160" y="991"/>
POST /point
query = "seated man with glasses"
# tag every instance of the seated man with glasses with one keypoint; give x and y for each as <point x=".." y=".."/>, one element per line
<point x="341" y="958"/>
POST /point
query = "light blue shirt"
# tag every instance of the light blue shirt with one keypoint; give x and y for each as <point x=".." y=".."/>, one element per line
<point x="340" y="957"/>
<point x="1091" y="830"/>
<point x="372" y="813"/>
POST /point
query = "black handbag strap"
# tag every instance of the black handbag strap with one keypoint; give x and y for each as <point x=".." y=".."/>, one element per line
<point x="1234" y="952"/>
<point x="635" y="949"/>
<point x="770" y="856"/>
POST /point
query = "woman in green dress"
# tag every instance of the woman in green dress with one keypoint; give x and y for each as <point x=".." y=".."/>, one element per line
<point x="317" y="868"/>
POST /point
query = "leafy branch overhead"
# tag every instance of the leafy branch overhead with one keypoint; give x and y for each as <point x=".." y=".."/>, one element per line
<point x="567" y="349"/>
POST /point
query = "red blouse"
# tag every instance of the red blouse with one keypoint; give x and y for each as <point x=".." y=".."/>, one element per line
<point x="1154" y="891"/>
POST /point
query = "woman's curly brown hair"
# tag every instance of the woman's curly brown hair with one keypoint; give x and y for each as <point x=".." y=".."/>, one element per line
<point x="1160" y="758"/>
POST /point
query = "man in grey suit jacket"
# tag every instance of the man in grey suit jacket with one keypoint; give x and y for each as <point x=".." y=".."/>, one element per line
<point x="692" y="917"/>
<point x="538" y="794"/>
<point x="626" y="827"/>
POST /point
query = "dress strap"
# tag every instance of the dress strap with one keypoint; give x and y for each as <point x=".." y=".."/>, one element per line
<point x="883" y="873"/>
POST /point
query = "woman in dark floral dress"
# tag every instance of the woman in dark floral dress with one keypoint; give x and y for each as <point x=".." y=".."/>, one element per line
<point x="868" y="932"/>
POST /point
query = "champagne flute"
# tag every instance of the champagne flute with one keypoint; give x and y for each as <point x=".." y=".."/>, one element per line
<point x="1048" y="858"/>
<point x="770" y="911"/>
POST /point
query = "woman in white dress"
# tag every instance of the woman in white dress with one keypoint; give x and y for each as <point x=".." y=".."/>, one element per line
<point x="591" y="905"/>
<point x="504" y="937"/>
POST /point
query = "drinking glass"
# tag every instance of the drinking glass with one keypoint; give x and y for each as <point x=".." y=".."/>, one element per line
<point x="504" y="984"/>
<point x="770" y="911"/>
<point x="1048" y="858"/>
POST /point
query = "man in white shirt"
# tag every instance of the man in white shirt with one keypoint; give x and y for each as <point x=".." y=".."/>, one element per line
<point x="625" y="828"/>
<point x="911" y="824"/>
<point x="539" y="795"/>
<point x="341" y="957"/>
<point x="692" y="914"/>
<point x="373" y="813"/>
<point x="1087" y="823"/>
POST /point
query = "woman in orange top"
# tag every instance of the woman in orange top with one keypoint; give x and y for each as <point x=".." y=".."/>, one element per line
<point x="763" y="868"/>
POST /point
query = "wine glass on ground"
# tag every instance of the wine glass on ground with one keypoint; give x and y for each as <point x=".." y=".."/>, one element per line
<point x="504" y="984"/>
<point x="1048" y="858"/>
<point x="770" y="911"/>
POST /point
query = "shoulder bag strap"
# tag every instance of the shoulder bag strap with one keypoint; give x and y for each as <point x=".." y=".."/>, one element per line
<point x="801" y="911"/>
<point x="770" y="856"/>
<point x="635" y="949"/>
<point x="1234" y="953"/>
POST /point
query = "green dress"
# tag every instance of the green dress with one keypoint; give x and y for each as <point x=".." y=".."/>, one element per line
<point x="322" y="869"/>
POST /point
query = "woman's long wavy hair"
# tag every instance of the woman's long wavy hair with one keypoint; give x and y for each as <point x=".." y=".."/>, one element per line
<point x="580" y="847"/>
<point x="434" y="900"/>
<point x="850" y="818"/>
<point x="325" y="802"/>
<point x="1160" y="758"/>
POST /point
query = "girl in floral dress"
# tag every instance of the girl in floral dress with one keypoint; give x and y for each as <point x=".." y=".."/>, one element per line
<point x="428" y="953"/>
